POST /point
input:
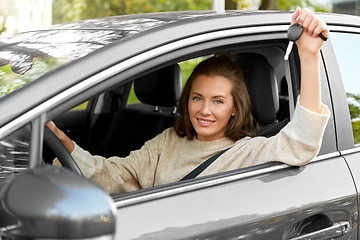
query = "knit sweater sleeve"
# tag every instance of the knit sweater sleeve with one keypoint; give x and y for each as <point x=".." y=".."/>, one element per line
<point x="296" y="144"/>
<point x="117" y="175"/>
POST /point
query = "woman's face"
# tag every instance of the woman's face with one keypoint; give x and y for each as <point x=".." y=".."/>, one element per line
<point x="210" y="106"/>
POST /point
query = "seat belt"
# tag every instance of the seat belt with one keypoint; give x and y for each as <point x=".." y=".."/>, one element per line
<point x="199" y="169"/>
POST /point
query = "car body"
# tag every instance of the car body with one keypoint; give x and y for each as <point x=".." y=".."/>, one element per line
<point x="97" y="60"/>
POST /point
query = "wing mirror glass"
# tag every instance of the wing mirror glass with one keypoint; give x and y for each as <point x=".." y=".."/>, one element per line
<point x="54" y="203"/>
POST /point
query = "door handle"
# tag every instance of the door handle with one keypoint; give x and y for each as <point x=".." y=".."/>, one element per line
<point x="336" y="230"/>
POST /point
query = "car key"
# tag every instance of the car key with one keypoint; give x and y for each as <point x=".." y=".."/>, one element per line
<point x="294" y="33"/>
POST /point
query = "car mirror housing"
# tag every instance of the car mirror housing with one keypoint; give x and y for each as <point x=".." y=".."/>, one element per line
<point x="54" y="203"/>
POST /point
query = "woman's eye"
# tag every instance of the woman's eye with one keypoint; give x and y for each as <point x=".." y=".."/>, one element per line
<point x="197" y="99"/>
<point x="218" y="102"/>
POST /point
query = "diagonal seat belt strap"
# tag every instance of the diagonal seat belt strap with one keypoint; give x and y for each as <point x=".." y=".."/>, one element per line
<point x="194" y="173"/>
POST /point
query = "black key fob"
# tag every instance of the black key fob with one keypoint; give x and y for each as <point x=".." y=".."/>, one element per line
<point x="294" y="32"/>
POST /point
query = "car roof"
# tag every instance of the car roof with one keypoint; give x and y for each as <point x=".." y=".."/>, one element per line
<point x="138" y="33"/>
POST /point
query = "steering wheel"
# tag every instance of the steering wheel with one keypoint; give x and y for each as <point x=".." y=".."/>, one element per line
<point x="60" y="151"/>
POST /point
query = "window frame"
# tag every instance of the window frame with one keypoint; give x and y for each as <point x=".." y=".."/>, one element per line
<point x="340" y="109"/>
<point x="341" y="74"/>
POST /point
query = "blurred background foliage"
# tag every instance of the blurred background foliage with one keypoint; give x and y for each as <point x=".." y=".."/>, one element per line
<point x="72" y="10"/>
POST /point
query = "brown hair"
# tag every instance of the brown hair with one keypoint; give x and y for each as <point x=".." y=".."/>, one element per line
<point x="242" y="124"/>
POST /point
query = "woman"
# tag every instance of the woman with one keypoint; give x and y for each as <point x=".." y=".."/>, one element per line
<point x="215" y="115"/>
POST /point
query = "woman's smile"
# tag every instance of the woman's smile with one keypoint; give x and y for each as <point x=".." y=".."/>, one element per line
<point x="205" y="122"/>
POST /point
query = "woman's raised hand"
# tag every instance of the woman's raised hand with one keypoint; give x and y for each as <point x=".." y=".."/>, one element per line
<point x="313" y="26"/>
<point x="309" y="45"/>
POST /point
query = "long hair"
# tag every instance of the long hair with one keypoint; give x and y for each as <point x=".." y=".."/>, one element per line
<point x="242" y="124"/>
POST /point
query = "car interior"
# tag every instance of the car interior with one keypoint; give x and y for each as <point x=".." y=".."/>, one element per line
<point x="112" y="126"/>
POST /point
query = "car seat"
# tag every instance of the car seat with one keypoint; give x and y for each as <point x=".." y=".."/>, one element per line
<point x="131" y="127"/>
<point x="263" y="90"/>
<point x="101" y="115"/>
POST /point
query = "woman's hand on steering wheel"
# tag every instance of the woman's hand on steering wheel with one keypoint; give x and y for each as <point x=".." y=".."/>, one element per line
<point x="52" y="137"/>
<point x="61" y="136"/>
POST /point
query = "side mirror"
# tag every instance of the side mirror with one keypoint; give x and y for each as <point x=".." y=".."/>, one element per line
<point x="54" y="203"/>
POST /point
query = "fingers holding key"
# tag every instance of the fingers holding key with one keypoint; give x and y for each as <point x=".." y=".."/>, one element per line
<point x="306" y="18"/>
<point x="311" y="24"/>
<point x="310" y="40"/>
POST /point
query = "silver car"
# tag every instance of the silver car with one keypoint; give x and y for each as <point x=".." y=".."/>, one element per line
<point x="99" y="79"/>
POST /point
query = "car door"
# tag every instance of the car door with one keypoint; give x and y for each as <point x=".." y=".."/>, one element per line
<point x="270" y="201"/>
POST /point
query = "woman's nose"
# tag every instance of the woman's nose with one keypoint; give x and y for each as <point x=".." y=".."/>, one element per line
<point x="205" y="109"/>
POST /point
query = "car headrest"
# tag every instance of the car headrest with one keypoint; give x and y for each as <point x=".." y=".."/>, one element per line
<point x="160" y="88"/>
<point x="262" y="86"/>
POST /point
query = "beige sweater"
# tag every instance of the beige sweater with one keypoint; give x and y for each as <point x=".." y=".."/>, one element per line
<point x="168" y="158"/>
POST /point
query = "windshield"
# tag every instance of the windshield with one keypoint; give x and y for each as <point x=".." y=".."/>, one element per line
<point x="27" y="56"/>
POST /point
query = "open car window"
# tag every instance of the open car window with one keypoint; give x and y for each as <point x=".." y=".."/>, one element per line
<point x="131" y="110"/>
<point x="115" y="124"/>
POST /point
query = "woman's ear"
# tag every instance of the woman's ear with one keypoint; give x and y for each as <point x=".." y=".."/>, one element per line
<point x="233" y="112"/>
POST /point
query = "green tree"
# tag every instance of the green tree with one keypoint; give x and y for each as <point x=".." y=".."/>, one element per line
<point x="72" y="10"/>
<point x="356" y="131"/>
<point x="67" y="10"/>
<point x="354" y="109"/>
<point x="291" y="5"/>
<point x="3" y="24"/>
